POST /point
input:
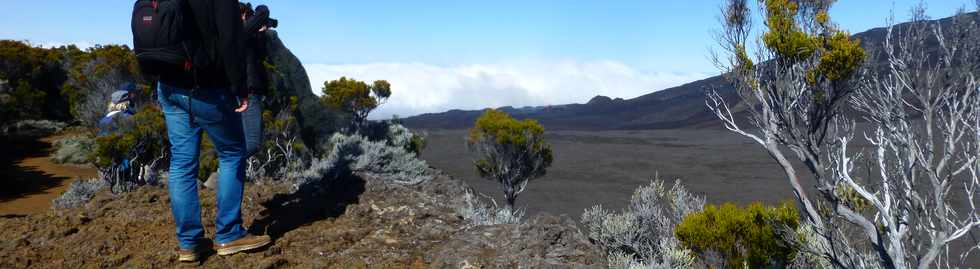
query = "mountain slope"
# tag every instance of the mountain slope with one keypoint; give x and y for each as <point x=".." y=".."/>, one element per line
<point x="678" y="107"/>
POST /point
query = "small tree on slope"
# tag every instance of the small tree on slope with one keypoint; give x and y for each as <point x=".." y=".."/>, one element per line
<point x="355" y="97"/>
<point x="509" y="151"/>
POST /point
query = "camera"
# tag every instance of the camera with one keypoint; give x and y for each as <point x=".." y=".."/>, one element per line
<point x="260" y="15"/>
<point x="272" y="23"/>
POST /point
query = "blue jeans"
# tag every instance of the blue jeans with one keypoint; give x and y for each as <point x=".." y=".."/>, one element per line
<point x="213" y="112"/>
<point x="252" y="123"/>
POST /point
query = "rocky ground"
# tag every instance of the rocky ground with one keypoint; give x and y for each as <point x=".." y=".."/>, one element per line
<point x="358" y="222"/>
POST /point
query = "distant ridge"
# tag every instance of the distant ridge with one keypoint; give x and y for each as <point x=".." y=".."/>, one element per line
<point x="680" y="107"/>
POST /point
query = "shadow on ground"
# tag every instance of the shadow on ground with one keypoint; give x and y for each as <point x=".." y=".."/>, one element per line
<point x="19" y="181"/>
<point x="286" y="212"/>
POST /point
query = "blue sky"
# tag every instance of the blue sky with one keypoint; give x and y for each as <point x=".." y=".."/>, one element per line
<point x="472" y="54"/>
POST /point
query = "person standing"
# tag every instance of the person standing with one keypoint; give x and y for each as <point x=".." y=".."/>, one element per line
<point x="255" y="27"/>
<point x="208" y="98"/>
<point x="116" y="121"/>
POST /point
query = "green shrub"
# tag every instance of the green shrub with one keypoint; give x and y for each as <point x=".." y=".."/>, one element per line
<point x="417" y="144"/>
<point x="739" y="236"/>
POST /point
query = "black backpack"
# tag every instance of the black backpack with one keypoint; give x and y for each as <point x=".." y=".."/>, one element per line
<point x="161" y="34"/>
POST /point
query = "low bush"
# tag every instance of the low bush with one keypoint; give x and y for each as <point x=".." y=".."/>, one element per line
<point x="729" y="236"/>
<point x="76" y="149"/>
<point x="642" y="235"/>
<point x="356" y="153"/>
<point x="79" y="193"/>
<point x="393" y="163"/>
<point x="481" y="213"/>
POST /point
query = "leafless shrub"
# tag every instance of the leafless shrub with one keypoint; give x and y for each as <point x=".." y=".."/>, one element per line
<point x="480" y="213"/>
<point x="355" y="153"/>
<point x="642" y="235"/>
<point x="79" y="192"/>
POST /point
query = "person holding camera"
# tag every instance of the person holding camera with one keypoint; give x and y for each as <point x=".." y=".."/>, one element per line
<point x="256" y="23"/>
<point x="197" y="61"/>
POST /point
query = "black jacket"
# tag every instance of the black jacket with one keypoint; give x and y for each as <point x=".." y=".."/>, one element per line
<point x="218" y="48"/>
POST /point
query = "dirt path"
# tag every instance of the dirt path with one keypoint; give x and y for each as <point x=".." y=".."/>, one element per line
<point x="31" y="180"/>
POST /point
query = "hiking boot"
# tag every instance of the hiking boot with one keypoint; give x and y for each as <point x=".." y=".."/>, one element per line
<point x="249" y="242"/>
<point x="201" y="250"/>
<point x="193" y="255"/>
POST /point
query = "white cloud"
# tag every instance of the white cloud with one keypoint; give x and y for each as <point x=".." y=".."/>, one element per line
<point x="423" y="88"/>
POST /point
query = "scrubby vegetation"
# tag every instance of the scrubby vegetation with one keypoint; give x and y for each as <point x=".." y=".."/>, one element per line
<point x="387" y="158"/>
<point x="80" y="192"/>
<point x="32" y="128"/>
<point x="666" y="226"/>
<point x="94" y="74"/>
<point x="479" y="212"/>
<point x="509" y="151"/>
<point x="67" y="84"/>
<point x="642" y="235"/>
<point x="391" y="162"/>
<point x="30" y="82"/>
<point x="130" y="157"/>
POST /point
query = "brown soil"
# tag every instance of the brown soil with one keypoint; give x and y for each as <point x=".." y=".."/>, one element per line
<point x="30" y="179"/>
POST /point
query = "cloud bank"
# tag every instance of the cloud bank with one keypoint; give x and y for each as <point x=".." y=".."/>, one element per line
<point x="423" y="88"/>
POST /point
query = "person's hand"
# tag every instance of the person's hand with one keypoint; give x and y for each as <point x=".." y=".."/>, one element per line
<point x="243" y="104"/>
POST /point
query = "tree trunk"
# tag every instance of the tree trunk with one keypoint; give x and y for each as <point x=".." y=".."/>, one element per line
<point x="810" y="211"/>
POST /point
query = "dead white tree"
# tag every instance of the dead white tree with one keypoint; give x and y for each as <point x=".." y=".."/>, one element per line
<point x="924" y="111"/>
<point x="924" y="115"/>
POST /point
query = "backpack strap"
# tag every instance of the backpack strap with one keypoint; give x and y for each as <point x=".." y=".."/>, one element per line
<point x="189" y="67"/>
